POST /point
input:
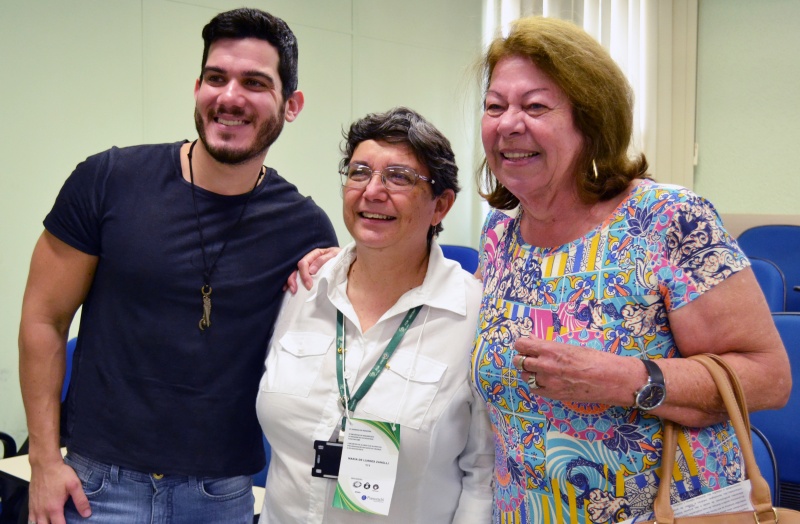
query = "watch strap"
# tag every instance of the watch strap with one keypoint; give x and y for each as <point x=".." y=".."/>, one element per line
<point x="656" y="376"/>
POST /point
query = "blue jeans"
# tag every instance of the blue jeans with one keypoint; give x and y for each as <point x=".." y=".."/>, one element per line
<point x="123" y="496"/>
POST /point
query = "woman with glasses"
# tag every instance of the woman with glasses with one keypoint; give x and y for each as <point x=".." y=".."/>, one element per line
<point x="366" y="399"/>
<point x="598" y="282"/>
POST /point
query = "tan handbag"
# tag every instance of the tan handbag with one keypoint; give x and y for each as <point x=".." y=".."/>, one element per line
<point x="732" y="394"/>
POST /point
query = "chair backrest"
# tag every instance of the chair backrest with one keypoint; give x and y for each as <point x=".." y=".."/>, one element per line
<point x="780" y="244"/>
<point x="765" y="458"/>
<point x="772" y="282"/>
<point x="70" y="353"/>
<point x="71" y="343"/>
<point x="464" y="255"/>
<point x="260" y="478"/>
<point x="779" y="425"/>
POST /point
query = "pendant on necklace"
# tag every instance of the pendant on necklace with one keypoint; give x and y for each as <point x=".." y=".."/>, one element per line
<point x="205" y="322"/>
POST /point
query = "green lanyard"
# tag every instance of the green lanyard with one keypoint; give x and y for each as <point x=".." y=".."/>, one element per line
<point x="345" y="399"/>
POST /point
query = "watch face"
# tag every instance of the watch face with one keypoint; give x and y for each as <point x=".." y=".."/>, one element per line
<point x="651" y="396"/>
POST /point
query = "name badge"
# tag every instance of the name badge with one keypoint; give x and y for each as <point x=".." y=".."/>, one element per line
<point x="368" y="469"/>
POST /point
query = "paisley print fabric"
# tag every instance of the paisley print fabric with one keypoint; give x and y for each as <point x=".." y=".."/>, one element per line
<point x="561" y="462"/>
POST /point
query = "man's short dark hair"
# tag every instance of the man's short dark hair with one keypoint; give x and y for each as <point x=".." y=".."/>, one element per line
<point x="254" y="23"/>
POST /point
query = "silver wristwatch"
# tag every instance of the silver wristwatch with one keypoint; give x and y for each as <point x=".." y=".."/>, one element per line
<point x="652" y="394"/>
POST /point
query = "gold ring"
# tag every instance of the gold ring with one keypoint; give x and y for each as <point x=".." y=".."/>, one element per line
<point x="532" y="382"/>
<point x="522" y="362"/>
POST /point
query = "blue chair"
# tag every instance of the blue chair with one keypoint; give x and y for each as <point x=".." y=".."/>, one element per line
<point x="17" y="501"/>
<point x="781" y="245"/>
<point x="260" y="478"/>
<point x="71" y="343"/>
<point x="765" y="458"/>
<point x="779" y="425"/>
<point x="772" y="282"/>
<point x="464" y="255"/>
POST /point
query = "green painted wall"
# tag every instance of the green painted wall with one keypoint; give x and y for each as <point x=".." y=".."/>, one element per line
<point x="83" y="75"/>
<point x="748" y="106"/>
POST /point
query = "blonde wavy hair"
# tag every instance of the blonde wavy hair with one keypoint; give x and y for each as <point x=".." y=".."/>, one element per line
<point x="601" y="100"/>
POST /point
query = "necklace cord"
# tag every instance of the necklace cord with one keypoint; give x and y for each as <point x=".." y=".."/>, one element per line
<point x="207" y="271"/>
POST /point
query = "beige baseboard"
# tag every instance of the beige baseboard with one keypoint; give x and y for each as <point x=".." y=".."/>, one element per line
<point x="735" y="223"/>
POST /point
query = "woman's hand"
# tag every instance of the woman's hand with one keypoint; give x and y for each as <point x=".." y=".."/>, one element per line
<point x="731" y="320"/>
<point x="572" y="373"/>
<point x="308" y="267"/>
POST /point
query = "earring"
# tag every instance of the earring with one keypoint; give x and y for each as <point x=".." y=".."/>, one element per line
<point x="594" y="166"/>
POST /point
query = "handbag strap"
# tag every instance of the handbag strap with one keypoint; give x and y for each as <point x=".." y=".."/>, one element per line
<point x="730" y="389"/>
<point x="734" y="385"/>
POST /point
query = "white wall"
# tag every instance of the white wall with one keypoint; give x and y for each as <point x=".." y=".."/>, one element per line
<point x="83" y="75"/>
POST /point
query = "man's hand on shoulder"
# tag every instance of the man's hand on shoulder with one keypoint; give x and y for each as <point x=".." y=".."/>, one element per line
<point x="308" y="266"/>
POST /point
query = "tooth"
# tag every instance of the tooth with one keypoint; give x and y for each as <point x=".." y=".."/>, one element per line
<point x="518" y="155"/>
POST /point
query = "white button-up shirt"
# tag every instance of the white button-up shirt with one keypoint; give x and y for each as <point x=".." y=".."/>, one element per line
<point x="446" y="444"/>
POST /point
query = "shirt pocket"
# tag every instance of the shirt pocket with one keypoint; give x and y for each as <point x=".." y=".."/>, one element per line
<point x="295" y="362"/>
<point x="389" y="394"/>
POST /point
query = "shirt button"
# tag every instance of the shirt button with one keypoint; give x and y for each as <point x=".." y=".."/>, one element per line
<point x="348" y="375"/>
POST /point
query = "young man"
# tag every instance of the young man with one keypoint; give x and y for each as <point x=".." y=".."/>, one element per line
<point x="178" y="254"/>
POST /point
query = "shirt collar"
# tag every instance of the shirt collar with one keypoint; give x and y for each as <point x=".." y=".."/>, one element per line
<point x="443" y="287"/>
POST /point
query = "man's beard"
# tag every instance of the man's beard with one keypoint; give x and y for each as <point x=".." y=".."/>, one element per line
<point x="269" y="131"/>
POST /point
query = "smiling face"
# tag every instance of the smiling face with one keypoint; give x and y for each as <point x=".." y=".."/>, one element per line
<point x="532" y="144"/>
<point x="239" y="111"/>
<point x="378" y="219"/>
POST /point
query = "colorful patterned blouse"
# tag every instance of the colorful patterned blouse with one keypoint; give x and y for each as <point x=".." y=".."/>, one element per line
<point x="563" y="462"/>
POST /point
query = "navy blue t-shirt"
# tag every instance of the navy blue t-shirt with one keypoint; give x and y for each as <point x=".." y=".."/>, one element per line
<point x="149" y="389"/>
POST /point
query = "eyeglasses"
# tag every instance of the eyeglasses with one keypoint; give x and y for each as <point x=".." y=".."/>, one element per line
<point x="394" y="178"/>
